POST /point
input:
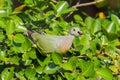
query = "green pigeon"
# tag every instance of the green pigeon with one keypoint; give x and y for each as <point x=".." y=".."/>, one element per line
<point x="47" y="43"/>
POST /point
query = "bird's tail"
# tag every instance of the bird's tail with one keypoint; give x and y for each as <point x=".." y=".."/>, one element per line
<point x="29" y="34"/>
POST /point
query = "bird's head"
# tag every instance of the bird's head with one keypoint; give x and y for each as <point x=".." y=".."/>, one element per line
<point x="75" y="31"/>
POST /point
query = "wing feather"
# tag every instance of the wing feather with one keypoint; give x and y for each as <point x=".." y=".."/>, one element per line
<point x="46" y="43"/>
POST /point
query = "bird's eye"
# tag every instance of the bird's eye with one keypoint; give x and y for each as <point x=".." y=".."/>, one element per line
<point x="74" y="30"/>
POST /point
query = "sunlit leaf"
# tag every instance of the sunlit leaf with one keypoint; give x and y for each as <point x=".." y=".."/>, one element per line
<point x="61" y="7"/>
<point x="32" y="54"/>
<point x="7" y="73"/>
<point x="110" y="27"/>
<point x="89" y="21"/>
<point x="104" y="73"/>
<point x="104" y="40"/>
<point x="10" y="28"/>
<point x="115" y="19"/>
<point x="68" y="76"/>
<point x="95" y="27"/>
<point x="57" y="58"/>
<point x="2" y="2"/>
<point x="89" y="71"/>
<point x="67" y="66"/>
<point x="14" y="60"/>
<point x="1" y="36"/>
<point x="20" y="75"/>
<point x="78" y="18"/>
<point x="69" y="10"/>
<point x="2" y="23"/>
<point x="26" y="45"/>
<point x="30" y="73"/>
<point x="3" y="13"/>
<point x="30" y="2"/>
<point x="84" y="42"/>
<point x="19" y="38"/>
<point x="51" y="69"/>
<point x="54" y="7"/>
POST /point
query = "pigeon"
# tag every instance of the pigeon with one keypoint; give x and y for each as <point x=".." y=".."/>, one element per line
<point x="47" y="43"/>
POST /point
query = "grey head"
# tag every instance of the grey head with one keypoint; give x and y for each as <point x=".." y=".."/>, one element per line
<point x="75" y="31"/>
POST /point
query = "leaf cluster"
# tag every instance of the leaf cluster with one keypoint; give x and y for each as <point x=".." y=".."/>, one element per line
<point x="94" y="55"/>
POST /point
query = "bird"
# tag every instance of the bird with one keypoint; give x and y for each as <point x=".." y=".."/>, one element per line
<point x="47" y="43"/>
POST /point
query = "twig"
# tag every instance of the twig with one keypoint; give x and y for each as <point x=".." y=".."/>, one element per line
<point x="62" y="74"/>
<point x="84" y="4"/>
<point x="87" y="4"/>
<point x="54" y="1"/>
<point x="65" y="59"/>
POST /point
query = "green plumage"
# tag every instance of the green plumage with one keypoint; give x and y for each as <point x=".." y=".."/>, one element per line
<point x="50" y="43"/>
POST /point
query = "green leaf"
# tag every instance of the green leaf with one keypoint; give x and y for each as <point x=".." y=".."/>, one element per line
<point x="113" y="68"/>
<point x="89" y="21"/>
<point x="1" y="36"/>
<point x="68" y="76"/>
<point x="26" y="45"/>
<point x="10" y="28"/>
<point x="85" y="43"/>
<point x="19" y="38"/>
<point x="41" y="4"/>
<point x="32" y="53"/>
<point x="89" y="69"/>
<point x="54" y="7"/>
<point x="80" y="77"/>
<point x="3" y="13"/>
<point x="81" y="64"/>
<point x="14" y="60"/>
<point x="115" y="19"/>
<point x="2" y="55"/>
<point x="57" y="58"/>
<point x="96" y="26"/>
<point x="2" y="23"/>
<point x="104" y="40"/>
<point x="95" y="45"/>
<point x="30" y="73"/>
<point x="104" y="73"/>
<point x="73" y="60"/>
<point x="101" y="4"/>
<point x="2" y="4"/>
<point x="47" y="60"/>
<point x="109" y="27"/>
<point x="67" y="66"/>
<point x="69" y="10"/>
<point x="78" y="18"/>
<point x="51" y="69"/>
<point x="39" y="69"/>
<point x="59" y="78"/>
<point x="29" y="2"/>
<point x="46" y="77"/>
<point x="20" y="75"/>
<point x="61" y="7"/>
<point x="7" y="73"/>
<point x="25" y="58"/>
<point x="20" y="28"/>
<point x="18" y="24"/>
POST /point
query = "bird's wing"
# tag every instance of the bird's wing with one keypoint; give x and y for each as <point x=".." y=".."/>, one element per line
<point x="46" y="43"/>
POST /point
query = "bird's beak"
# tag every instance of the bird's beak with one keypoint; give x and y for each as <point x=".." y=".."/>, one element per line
<point x="80" y="32"/>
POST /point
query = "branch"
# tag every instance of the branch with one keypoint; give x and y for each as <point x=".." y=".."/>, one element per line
<point x="87" y="4"/>
<point x="54" y="1"/>
<point x="84" y="4"/>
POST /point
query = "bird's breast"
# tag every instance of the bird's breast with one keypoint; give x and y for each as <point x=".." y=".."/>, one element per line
<point x="65" y="44"/>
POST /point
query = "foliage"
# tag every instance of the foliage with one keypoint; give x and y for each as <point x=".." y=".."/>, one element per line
<point x="94" y="55"/>
<point x="115" y="11"/>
